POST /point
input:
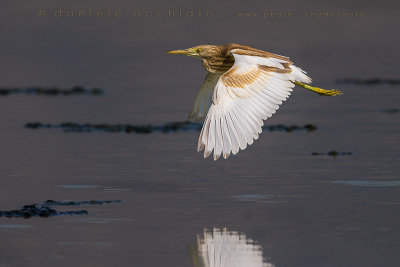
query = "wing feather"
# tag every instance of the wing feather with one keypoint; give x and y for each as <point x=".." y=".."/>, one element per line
<point x="203" y="100"/>
<point x="245" y="127"/>
<point x="241" y="135"/>
<point x="209" y="146"/>
<point x="227" y="145"/>
<point x="218" y="138"/>
<point x="243" y="97"/>
<point x="235" y="140"/>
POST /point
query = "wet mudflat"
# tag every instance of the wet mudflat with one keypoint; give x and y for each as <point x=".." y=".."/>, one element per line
<point x="276" y="201"/>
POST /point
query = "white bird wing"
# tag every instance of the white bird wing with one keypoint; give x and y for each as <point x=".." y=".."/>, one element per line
<point x="248" y="93"/>
<point x="204" y="97"/>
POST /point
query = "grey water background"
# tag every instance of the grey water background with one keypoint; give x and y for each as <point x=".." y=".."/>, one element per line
<point x="303" y="210"/>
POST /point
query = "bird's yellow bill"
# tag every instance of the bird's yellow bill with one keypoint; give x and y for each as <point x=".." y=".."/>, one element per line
<point x="188" y="52"/>
<point x="179" y="52"/>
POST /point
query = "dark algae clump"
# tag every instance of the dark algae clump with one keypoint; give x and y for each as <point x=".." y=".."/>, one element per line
<point x="52" y="91"/>
<point x="288" y="129"/>
<point x="148" y="128"/>
<point x="117" y="128"/>
<point x="38" y="210"/>
<point x="46" y="209"/>
<point x="332" y="153"/>
<point x="369" y="81"/>
<point x="391" y="110"/>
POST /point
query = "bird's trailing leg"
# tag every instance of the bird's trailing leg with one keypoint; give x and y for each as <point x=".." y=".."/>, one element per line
<point x="319" y="91"/>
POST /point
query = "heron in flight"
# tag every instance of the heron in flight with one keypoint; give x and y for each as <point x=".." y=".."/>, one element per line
<point x="243" y="87"/>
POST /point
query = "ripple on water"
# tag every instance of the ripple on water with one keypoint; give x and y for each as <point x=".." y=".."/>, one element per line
<point x="78" y="186"/>
<point x="15" y="226"/>
<point x="368" y="183"/>
<point x="262" y="198"/>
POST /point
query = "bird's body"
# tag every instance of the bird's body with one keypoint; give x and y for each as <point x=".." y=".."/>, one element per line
<point x="219" y="59"/>
<point x="243" y="87"/>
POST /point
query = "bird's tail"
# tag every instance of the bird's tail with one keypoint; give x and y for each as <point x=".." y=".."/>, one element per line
<point x="300" y="75"/>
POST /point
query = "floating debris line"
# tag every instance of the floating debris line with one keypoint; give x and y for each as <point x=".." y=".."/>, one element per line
<point x="77" y="203"/>
<point x="46" y="209"/>
<point x="332" y="153"/>
<point x="370" y="81"/>
<point x="391" y="110"/>
<point x="52" y="91"/>
<point x="146" y="129"/>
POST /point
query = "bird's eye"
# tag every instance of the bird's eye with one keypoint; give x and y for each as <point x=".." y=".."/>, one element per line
<point x="198" y="50"/>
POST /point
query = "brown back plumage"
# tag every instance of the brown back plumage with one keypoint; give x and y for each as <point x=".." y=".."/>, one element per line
<point x="217" y="58"/>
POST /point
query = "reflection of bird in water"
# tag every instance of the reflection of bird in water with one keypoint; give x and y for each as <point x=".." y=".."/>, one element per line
<point x="243" y="87"/>
<point x="222" y="248"/>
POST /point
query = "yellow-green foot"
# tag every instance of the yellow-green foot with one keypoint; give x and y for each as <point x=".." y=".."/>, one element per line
<point x="317" y="90"/>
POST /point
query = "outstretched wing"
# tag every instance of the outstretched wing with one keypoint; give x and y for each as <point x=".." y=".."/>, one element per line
<point x="204" y="97"/>
<point x="248" y="93"/>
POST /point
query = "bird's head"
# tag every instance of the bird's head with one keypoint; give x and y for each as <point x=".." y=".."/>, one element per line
<point x="201" y="51"/>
